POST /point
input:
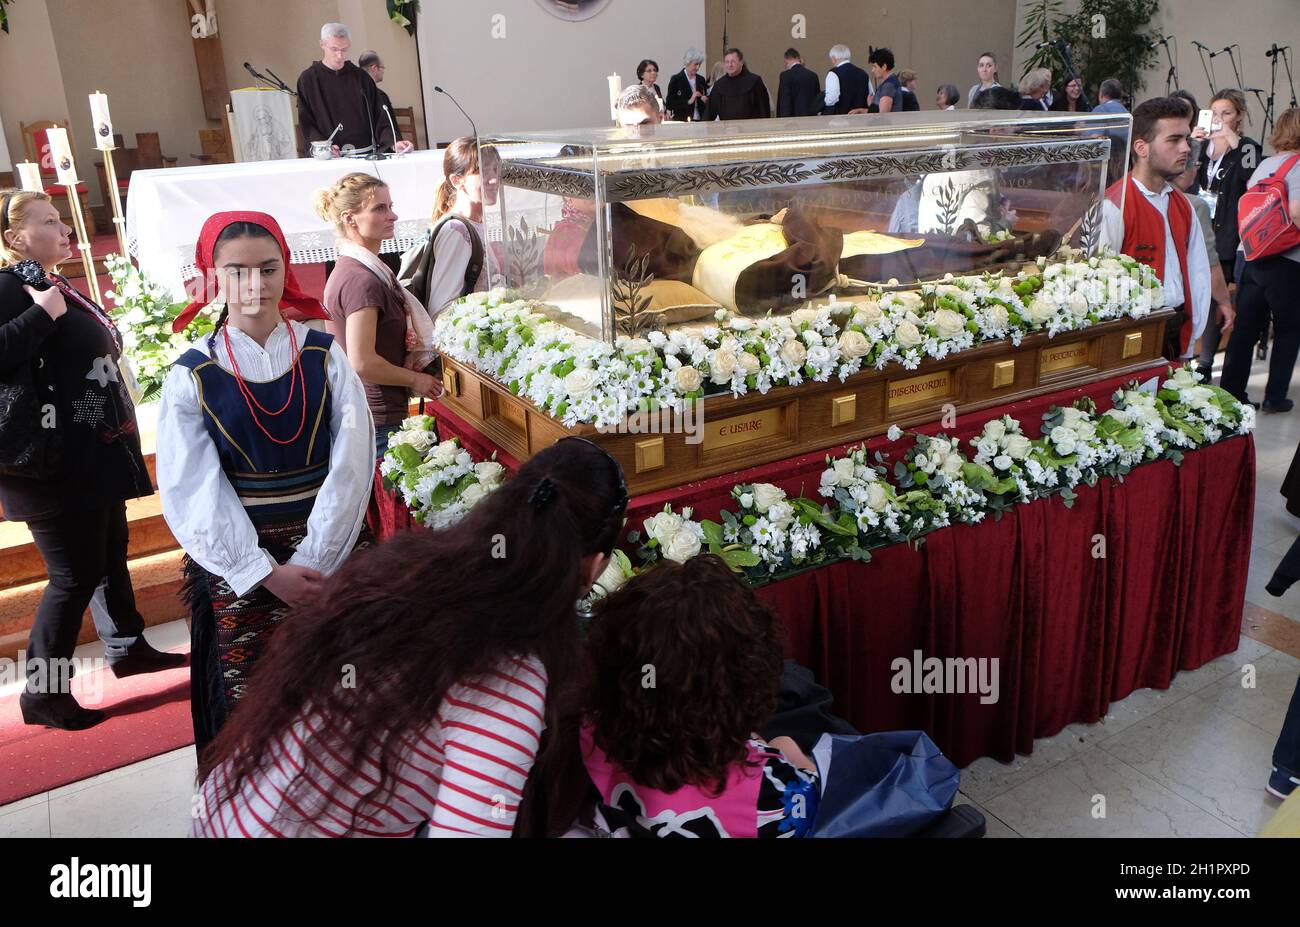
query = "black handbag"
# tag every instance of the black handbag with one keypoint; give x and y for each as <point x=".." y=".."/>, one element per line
<point x="30" y="438"/>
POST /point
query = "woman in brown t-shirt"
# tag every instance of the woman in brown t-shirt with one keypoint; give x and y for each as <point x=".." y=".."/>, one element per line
<point x="368" y="308"/>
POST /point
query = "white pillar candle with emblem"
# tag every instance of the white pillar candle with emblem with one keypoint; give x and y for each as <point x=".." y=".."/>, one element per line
<point x="102" y="120"/>
<point x="29" y="176"/>
<point x="61" y="156"/>
<point x="615" y="88"/>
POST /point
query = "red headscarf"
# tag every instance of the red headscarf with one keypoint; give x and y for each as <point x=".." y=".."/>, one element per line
<point x="296" y="304"/>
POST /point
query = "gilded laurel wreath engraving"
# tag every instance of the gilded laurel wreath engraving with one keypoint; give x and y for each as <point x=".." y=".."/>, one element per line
<point x="548" y="180"/>
<point x="636" y="186"/>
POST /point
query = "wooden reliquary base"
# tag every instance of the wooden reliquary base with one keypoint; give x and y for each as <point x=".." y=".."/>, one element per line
<point x="662" y="451"/>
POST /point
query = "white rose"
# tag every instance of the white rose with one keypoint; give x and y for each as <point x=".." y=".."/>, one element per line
<point x="877" y="497"/>
<point x="722" y="364"/>
<point x="686" y="379"/>
<point x="868" y="314"/>
<point x="907" y="299"/>
<point x="1002" y="462"/>
<point x="1041" y="309"/>
<point x="489" y="472"/>
<point x="1065" y="449"/>
<point x="746" y="500"/>
<point x="730" y="343"/>
<point x="907" y="335"/>
<point x="947" y="324"/>
<point x="682" y="546"/>
<point x="998" y="316"/>
<point x="940" y="447"/>
<point x="1071" y="417"/>
<point x="995" y="430"/>
<point x="947" y="289"/>
<point x="952" y="464"/>
<point x="636" y="346"/>
<point x="663" y="527"/>
<point x="1006" y="286"/>
<point x="1018" y="447"/>
<point x="766" y="495"/>
<point x="472" y="494"/>
<point x="445" y="453"/>
<point x="799" y="316"/>
<point x="748" y="363"/>
<point x="1077" y="304"/>
<point x="612" y="579"/>
<point x="1061" y="434"/>
<point x="580" y="382"/>
<point x="926" y="463"/>
<point x="854" y="345"/>
<point x="844" y="471"/>
<point x="781" y="514"/>
<point x="421" y="440"/>
<point x="794" y="353"/>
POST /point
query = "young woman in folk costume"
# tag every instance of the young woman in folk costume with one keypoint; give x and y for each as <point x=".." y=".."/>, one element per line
<point x="265" y="457"/>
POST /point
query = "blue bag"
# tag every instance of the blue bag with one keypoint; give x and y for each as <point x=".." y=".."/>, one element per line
<point x="890" y="784"/>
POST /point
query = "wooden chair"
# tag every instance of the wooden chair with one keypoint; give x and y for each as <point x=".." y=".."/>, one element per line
<point x="149" y="152"/>
<point x="404" y="117"/>
<point x="38" y="150"/>
<point x="216" y="146"/>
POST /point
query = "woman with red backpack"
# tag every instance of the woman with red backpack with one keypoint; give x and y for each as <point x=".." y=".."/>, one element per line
<point x="1269" y="221"/>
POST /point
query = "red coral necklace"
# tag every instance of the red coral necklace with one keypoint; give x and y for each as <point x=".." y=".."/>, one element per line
<point x="295" y="378"/>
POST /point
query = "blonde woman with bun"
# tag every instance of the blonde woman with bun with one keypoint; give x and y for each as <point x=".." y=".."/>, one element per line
<point x="385" y="331"/>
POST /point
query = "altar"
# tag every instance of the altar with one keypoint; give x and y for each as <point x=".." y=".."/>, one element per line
<point x="166" y="208"/>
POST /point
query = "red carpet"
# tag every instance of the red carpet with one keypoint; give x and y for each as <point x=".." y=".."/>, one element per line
<point x="147" y="715"/>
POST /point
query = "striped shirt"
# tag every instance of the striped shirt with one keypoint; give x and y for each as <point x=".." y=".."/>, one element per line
<point x="463" y="775"/>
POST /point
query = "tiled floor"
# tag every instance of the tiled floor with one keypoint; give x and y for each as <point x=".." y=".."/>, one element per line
<point x="1191" y="761"/>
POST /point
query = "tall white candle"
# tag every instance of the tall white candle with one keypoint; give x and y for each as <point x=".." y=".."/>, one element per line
<point x="29" y="176"/>
<point x="61" y="155"/>
<point x="615" y="89"/>
<point x="102" y="120"/>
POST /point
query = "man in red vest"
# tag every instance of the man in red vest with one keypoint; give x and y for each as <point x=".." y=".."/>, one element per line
<point x="1149" y="219"/>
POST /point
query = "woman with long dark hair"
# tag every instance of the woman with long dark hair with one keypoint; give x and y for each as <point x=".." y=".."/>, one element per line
<point x="419" y="688"/>
<point x="264" y="458"/>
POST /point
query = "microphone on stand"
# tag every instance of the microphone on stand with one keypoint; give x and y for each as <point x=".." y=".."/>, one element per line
<point x="374" y="154"/>
<point x="392" y="125"/>
<point x="459" y="107"/>
<point x="283" y="85"/>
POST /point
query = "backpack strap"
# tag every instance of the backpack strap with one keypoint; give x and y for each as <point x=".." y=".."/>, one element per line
<point x="475" y="265"/>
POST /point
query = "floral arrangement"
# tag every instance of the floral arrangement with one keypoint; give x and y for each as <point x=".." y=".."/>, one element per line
<point x="936" y="485"/>
<point x="582" y="380"/>
<point x="439" y="480"/>
<point x="145" y="311"/>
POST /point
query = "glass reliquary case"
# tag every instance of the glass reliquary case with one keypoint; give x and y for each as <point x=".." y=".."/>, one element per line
<point x="622" y="231"/>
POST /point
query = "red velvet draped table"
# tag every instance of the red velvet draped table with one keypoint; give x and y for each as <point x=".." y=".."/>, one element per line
<point x="1137" y="581"/>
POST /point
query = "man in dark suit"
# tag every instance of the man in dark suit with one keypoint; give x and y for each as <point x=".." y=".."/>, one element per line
<point x="847" y="85"/>
<point x="800" y="92"/>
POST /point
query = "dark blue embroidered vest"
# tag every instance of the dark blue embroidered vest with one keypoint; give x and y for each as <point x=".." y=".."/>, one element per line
<point x="277" y="483"/>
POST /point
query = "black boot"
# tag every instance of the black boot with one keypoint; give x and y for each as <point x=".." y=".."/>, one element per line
<point x="57" y="710"/>
<point x="143" y="658"/>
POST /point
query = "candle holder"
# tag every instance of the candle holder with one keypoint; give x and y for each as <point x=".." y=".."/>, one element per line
<point x="115" y="197"/>
<point x="84" y="246"/>
<point x="66" y="168"/>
